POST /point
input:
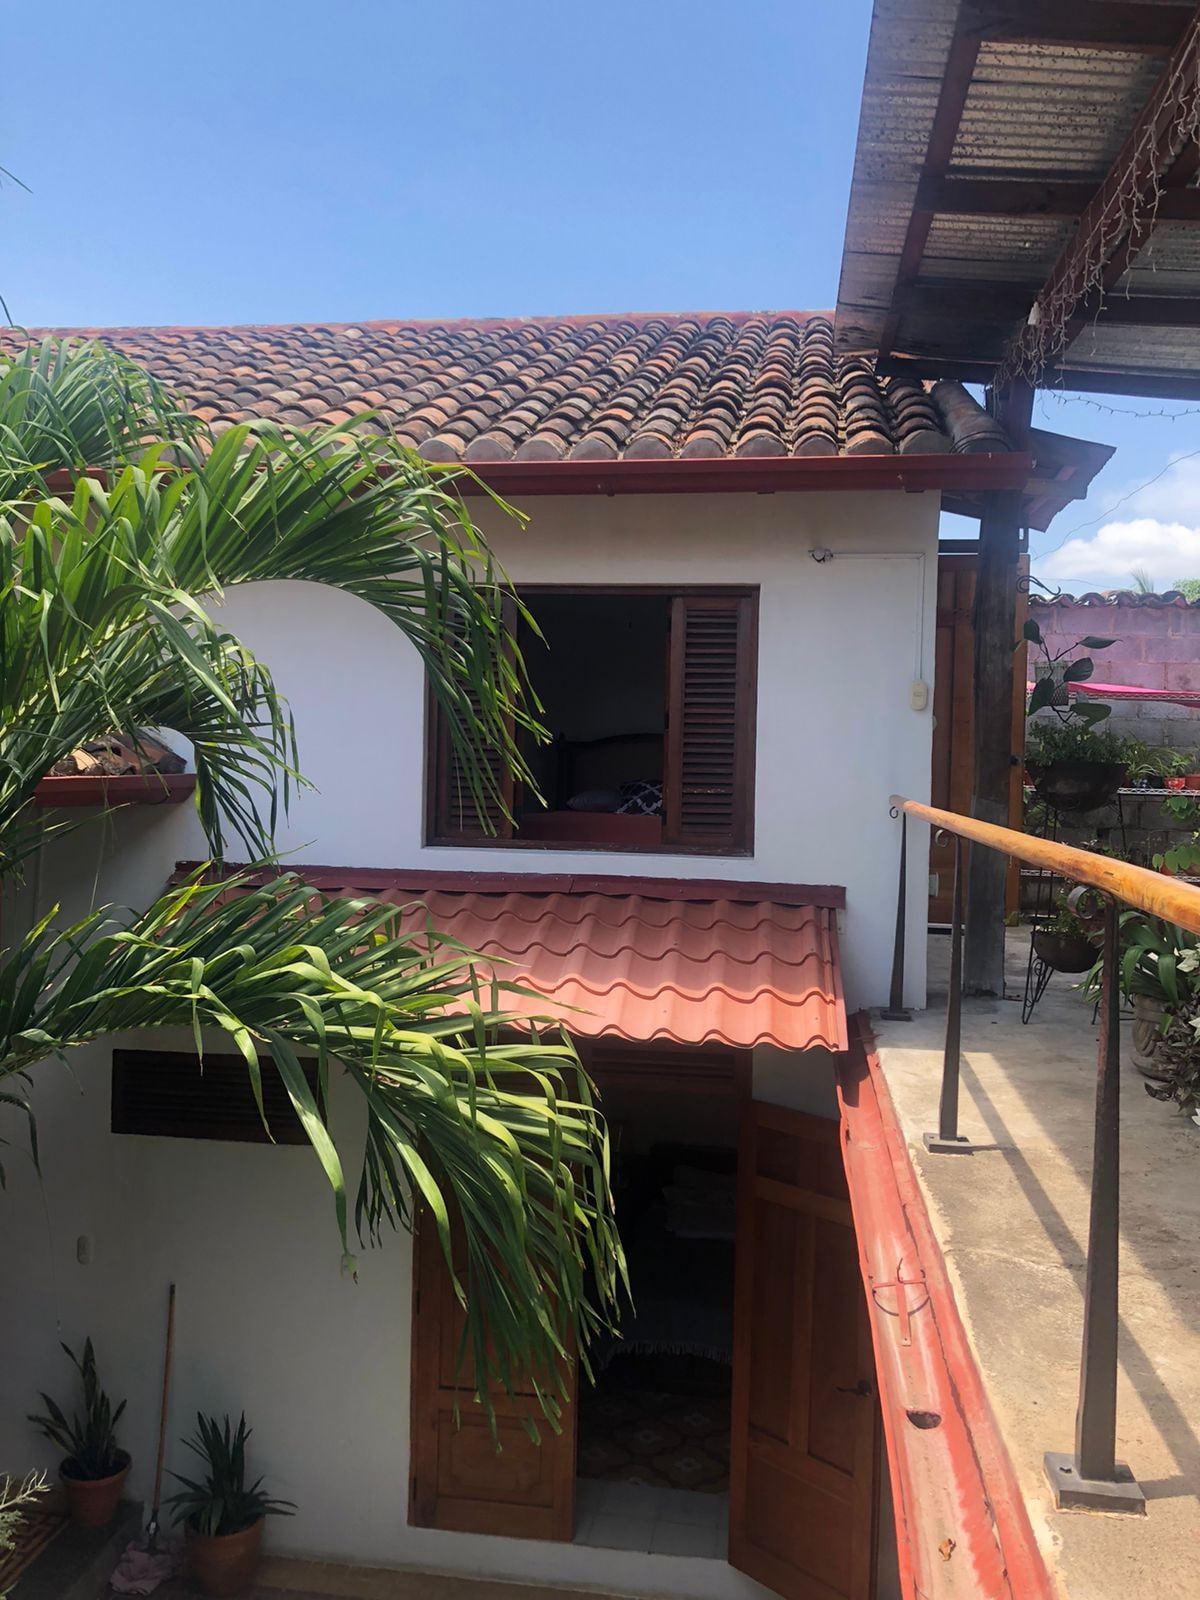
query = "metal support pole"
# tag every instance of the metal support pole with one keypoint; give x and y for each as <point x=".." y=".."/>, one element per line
<point x="1092" y="1479"/>
<point x="947" y="1139"/>
<point x="896" y="1010"/>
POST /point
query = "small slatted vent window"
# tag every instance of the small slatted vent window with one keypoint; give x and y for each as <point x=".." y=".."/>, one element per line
<point x="172" y="1094"/>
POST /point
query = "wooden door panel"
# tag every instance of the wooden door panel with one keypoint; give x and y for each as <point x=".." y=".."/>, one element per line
<point x="805" y="1422"/>
<point x="796" y="1529"/>
<point x="954" y="714"/>
<point x="464" y="1477"/>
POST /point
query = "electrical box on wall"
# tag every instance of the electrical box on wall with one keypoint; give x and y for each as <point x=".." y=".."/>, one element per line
<point x="918" y="694"/>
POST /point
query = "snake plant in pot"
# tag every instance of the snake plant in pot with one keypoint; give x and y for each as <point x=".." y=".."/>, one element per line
<point x="94" y="1467"/>
<point x="222" y="1515"/>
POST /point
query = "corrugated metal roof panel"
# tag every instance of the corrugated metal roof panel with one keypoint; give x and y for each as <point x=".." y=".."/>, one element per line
<point x="1169" y="264"/>
<point x="1138" y="348"/>
<point x="1049" y="110"/>
<point x="1008" y="249"/>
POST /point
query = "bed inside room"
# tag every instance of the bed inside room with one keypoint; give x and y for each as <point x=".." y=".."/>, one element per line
<point x="599" y="669"/>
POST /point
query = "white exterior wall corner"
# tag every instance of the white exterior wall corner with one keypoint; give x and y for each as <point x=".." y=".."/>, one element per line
<point x="266" y="1322"/>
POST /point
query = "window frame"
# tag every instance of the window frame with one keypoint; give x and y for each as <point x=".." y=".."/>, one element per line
<point x="435" y="834"/>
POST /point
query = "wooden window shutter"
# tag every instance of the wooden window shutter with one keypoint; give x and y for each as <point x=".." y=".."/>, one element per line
<point x="708" y="795"/>
<point x="455" y="814"/>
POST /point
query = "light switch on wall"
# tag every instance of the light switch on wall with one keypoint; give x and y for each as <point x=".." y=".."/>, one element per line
<point x="918" y="694"/>
<point x="83" y="1250"/>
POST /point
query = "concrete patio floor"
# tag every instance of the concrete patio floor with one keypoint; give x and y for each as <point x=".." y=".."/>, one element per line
<point x="1012" y="1224"/>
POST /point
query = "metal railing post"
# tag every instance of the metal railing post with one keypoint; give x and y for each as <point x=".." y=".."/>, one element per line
<point x="1092" y="1478"/>
<point x="947" y="1139"/>
<point x="896" y="1010"/>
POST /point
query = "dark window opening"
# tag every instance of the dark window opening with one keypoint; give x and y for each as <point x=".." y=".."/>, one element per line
<point x="600" y="670"/>
<point x="173" y="1094"/>
<point x="649" y="699"/>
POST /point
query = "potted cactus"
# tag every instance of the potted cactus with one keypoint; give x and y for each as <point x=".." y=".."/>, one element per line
<point x="95" y="1467"/>
<point x="223" y="1516"/>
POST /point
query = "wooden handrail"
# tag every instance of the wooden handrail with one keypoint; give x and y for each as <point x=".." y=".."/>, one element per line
<point x="1152" y="892"/>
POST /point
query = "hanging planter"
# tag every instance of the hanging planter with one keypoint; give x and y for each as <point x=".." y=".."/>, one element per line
<point x="1064" y="951"/>
<point x="1073" y="767"/>
<point x="1076" y="785"/>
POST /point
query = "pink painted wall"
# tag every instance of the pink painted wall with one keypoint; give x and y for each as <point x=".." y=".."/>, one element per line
<point x="1158" y="647"/>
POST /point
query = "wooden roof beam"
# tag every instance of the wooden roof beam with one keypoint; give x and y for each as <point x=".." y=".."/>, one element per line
<point x="1153" y="385"/>
<point x="952" y="97"/>
<point x="1025" y="197"/>
<point x="1004" y="303"/>
<point x="1088" y="24"/>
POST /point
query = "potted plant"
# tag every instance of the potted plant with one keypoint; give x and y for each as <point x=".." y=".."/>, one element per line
<point x="222" y="1516"/>
<point x="1073" y="768"/>
<point x="95" y="1467"/>
<point x="1062" y="943"/>
<point x="1177" y="1061"/>
<point x="1150" y="765"/>
<point x="1160" y="979"/>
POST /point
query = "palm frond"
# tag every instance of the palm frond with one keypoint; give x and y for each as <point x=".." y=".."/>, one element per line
<point x="71" y="405"/>
<point x="495" y="1132"/>
<point x="180" y="523"/>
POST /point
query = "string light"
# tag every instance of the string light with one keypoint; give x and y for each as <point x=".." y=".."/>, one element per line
<point x="1127" y="213"/>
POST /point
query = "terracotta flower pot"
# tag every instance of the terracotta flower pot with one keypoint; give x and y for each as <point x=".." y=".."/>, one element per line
<point x="224" y="1563"/>
<point x="1191" y="780"/>
<point x="93" y="1502"/>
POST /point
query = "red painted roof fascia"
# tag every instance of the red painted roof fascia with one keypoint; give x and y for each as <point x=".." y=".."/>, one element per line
<point x="349" y="880"/>
<point x="962" y="1525"/>
<point x="912" y="474"/>
<point x="125" y="788"/>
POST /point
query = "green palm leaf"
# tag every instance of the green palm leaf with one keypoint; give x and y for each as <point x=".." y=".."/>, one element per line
<point x="108" y="587"/>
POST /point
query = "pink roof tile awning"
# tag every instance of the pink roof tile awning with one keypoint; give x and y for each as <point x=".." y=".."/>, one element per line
<point x="692" y="962"/>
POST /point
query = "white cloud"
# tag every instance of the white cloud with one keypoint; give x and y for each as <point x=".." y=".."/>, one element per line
<point x="1155" y="528"/>
<point x="1166" y="550"/>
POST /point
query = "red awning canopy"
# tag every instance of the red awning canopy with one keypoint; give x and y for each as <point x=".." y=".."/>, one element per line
<point x="1116" y="691"/>
<point x="1120" y="691"/>
<point x="640" y="959"/>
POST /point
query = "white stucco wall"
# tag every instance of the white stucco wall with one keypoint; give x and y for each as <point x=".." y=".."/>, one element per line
<point x="265" y="1319"/>
<point x="840" y="644"/>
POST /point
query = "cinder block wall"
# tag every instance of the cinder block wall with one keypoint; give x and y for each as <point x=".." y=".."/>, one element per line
<point x="1158" y="647"/>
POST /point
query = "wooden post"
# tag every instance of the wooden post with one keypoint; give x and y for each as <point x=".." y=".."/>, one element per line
<point x="995" y="634"/>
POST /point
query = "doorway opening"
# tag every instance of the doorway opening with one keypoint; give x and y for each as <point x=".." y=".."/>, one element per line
<point x="654" y="1429"/>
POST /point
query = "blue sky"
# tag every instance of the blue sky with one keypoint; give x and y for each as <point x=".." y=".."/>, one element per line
<point x="280" y="161"/>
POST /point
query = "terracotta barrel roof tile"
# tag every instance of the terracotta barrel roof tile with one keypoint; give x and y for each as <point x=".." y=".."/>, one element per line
<point x="544" y="389"/>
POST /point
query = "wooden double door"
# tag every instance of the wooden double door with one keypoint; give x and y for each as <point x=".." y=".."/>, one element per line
<point x="805" y="1436"/>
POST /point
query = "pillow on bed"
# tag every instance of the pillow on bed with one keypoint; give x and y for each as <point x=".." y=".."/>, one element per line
<point x="595" y="800"/>
<point x="641" y="799"/>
